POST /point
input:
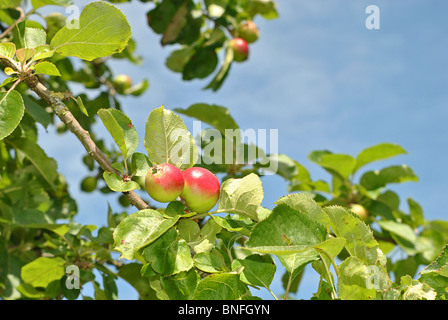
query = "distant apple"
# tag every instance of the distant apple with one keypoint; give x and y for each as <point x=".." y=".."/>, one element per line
<point x="248" y="31"/>
<point x="121" y="83"/>
<point x="88" y="184"/>
<point x="360" y="211"/>
<point x="201" y="190"/>
<point x="164" y="182"/>
<point x="240" y="49"/>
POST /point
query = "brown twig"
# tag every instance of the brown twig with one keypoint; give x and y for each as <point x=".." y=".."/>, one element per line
<point x="21" y="18"/>
<point x="61" y="110"/>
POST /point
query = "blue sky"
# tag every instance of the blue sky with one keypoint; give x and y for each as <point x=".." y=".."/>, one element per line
<point x="324" y="80"/>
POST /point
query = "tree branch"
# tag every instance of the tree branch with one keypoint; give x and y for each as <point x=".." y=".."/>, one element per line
<point x="22" y="17"/>
<point x="61" y="110"/>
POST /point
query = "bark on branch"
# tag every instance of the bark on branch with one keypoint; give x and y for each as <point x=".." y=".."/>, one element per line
<point x="61" y="110"/>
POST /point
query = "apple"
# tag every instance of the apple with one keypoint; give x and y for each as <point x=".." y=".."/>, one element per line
<point x="240" y="49"/>
<point x="360" y="211"/>
<point x="88" y="184"/>
<point x="164" y="182"/>
<point x="201" y="190"/>
<point x="121" y="83"/>
<point x="248" y="31"/>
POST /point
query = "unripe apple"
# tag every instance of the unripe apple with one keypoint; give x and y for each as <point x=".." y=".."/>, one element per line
<point x="122" y="82"/>
<point x="201" y="190"/>
<point x="240" y="49"/>
<point x="360" y="211"/>
<point x="88" y="184"/>
<point x="164" y="182"/>
<point x="248" y="31"/>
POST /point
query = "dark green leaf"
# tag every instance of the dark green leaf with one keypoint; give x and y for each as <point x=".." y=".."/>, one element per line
<point x="201" y="64"/>
<point x="11" y="112"/>
<point x="259" y="270"/>
<point x="181" y="286"/>
<point x="168" y="255"/>
<point x="45" y="165"/>
<point x="220" y="286"/>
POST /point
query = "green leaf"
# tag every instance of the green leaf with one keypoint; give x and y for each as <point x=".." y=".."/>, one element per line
<point x="241" y="196"/>
<point x="341" y="164"/>
<point x="42" y="271"/>
<point x="174" y="27"/>
<point x="33" y="218"/>
<point x="45" y="165"/>
<point x="46" y="67"/>
<point x="259" y="270"/>
<point x="167" y="140"/>
<point x="36" y="111"/>
<point x="416" y="213"/>
<point x="168" y="255"/>
<point x="34" y="37"/>
<point x="138" y="230"/>
<point x="116" y="183"/>
<point x="206" y="239"/>
<point x="290" y="169"/>
<point x="40" y="3"/>
<point x="140" y="164"/>
<point x="176" y="21"/>
<point x="121" y="129"/>
<point x="131" y="273"/>
<point x="333" y="246"/>
<point x="181" y="286"/>
<point x="221" y="75"/>
<point x="266" y="8"/>
<point x="354" y="280"/>
<point x="138" y="89"/>
<point x="189" y="230"/>
<point x="305" y="204"/>
<point x="287" y="227"/>
<point x="210" y="262"/>
<point x="176" y="208"/>
<point x="6" y="4"/>
<point x="400" y="229"/>
<point x="8" y="80"/>
<point x="216" y="116"/>
<point x="416" y="290"/>
<point x="11" y="112"/>
<point x="43" y="52"/>
<point x="227" y="223"/>
<point x="372" y="180"/>
<point x="177" y="60"/>
<point x="81" y="106"/>
<point x="201" y="64"/>
<point x="360" y="240"/>
<point x="379" y="152"/>
<point x="439" y="266"/>
<point x="7" y="50"/>
<point x="220" y="286"/>
<point x="96" y="36"/>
